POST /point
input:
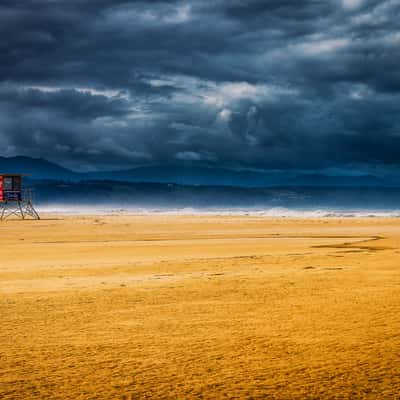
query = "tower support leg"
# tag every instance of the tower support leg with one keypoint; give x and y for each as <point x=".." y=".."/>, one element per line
<point x="21" y="209"/>
<point x="28" y="209"/>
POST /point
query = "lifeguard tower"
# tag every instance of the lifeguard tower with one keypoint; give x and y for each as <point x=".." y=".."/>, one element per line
<point x="14" y="199"/>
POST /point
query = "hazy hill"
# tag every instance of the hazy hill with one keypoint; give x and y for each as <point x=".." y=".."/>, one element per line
<point x="37" y="168"/>
<point x="40" y="168"/>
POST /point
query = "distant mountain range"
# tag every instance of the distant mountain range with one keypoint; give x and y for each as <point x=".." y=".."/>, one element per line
<point x="41" y="169"/>
<point x="36" y="168"/>
<point x="188" y="186"/>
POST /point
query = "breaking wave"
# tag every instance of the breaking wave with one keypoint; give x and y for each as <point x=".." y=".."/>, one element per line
<point x="278" y="212"/>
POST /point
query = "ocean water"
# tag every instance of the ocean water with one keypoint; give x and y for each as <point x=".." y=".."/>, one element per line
<point x="293" y="202"/>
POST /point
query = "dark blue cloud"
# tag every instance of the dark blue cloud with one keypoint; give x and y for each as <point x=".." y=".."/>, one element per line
<point x="309" y="84"/>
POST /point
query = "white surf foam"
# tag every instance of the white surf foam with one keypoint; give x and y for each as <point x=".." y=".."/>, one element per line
<point x="266" y="212"/>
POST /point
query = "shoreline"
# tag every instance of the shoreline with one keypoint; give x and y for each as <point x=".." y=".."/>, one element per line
<point x="276" y="212"/>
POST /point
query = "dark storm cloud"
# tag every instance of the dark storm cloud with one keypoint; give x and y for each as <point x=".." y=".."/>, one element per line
<point x="261" y="84"/>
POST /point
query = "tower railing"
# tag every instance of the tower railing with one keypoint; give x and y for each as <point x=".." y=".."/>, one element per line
<point x="12" y="195"/>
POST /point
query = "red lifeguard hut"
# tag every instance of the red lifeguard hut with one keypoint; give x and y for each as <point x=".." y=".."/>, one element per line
<point x="14" y="199"/>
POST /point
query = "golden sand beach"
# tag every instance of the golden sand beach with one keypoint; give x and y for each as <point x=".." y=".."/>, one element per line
<point x="199" y="307"/>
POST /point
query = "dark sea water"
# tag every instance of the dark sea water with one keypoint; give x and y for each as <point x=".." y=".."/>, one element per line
<point x="172" y="198"/>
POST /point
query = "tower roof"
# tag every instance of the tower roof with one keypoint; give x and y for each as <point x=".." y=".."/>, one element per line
<point x="11" y="174"/>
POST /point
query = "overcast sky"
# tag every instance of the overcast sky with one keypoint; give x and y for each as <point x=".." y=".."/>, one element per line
<point x="282" y="84"/>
